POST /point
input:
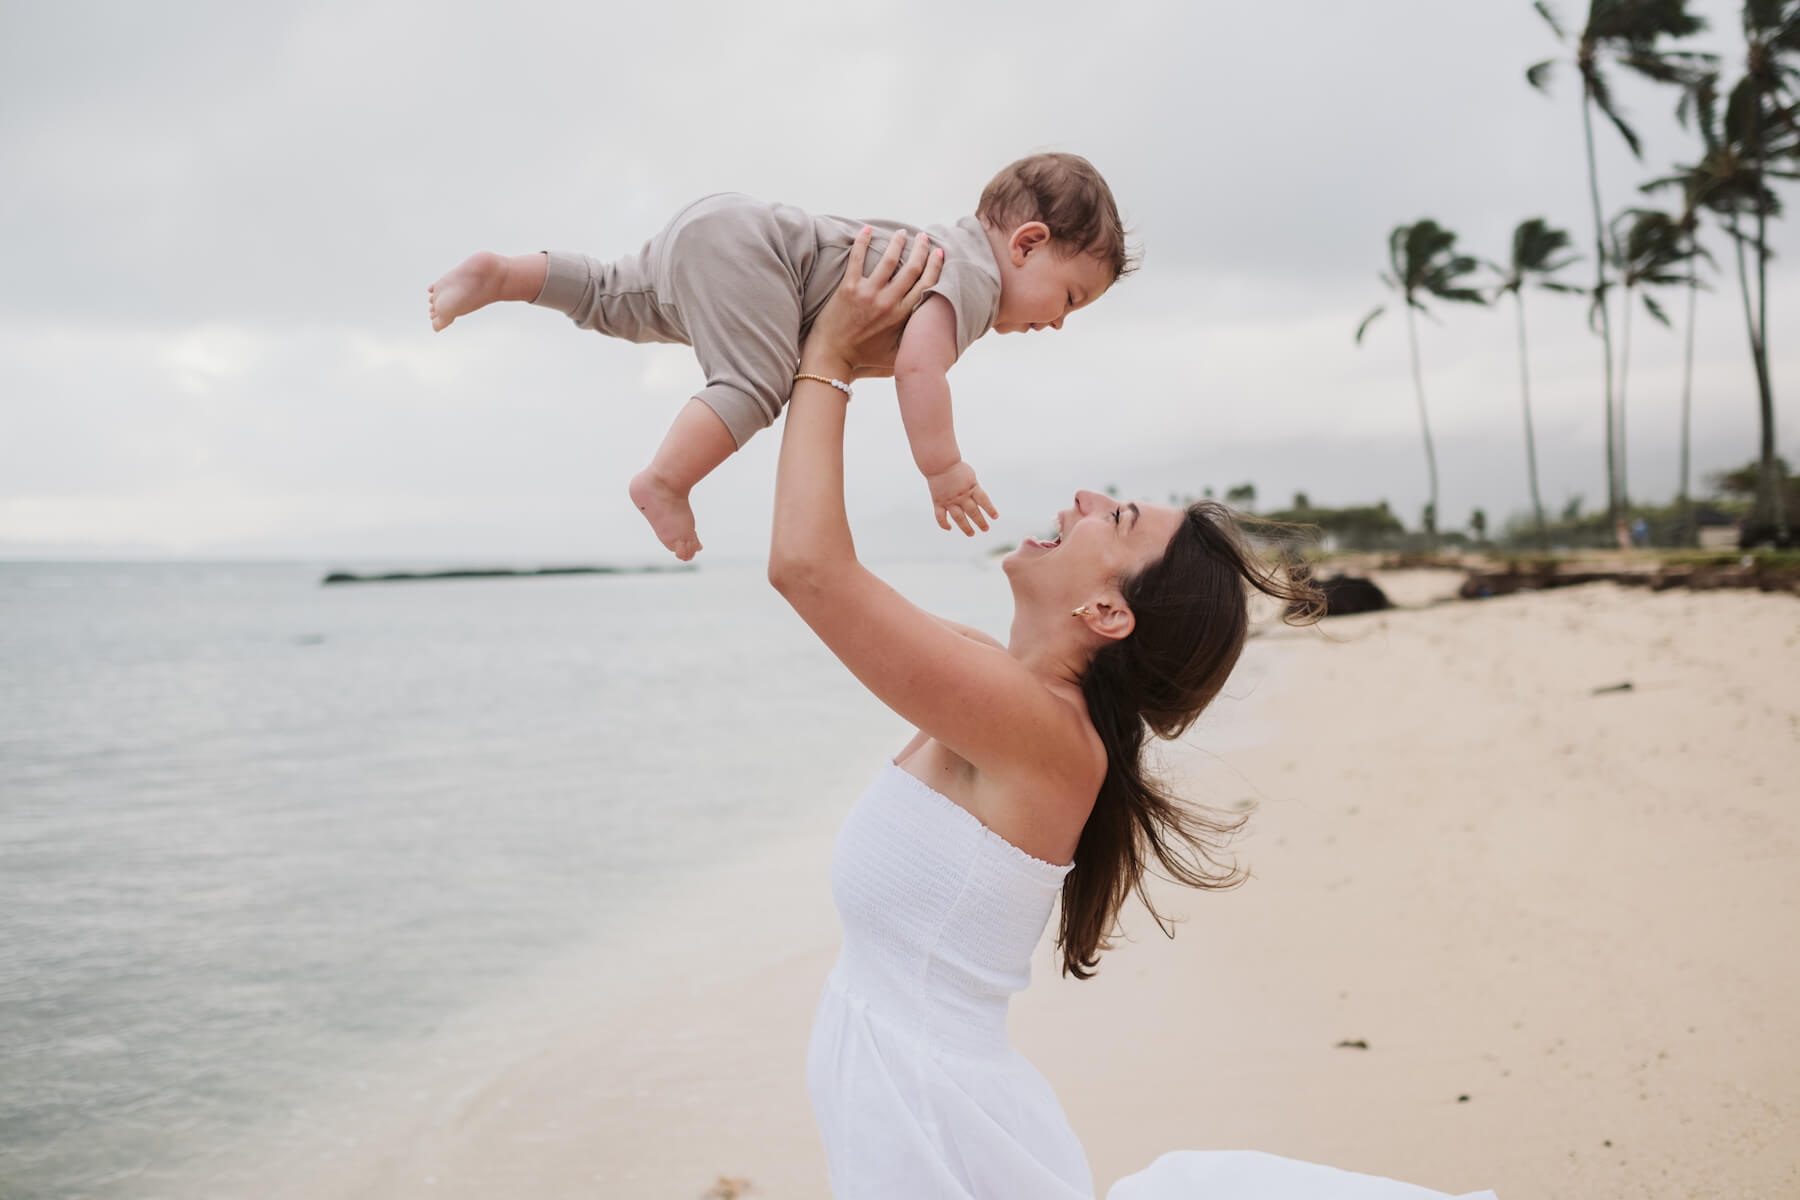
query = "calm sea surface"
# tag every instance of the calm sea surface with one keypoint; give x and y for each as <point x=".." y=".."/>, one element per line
<point x="253" y="829"/>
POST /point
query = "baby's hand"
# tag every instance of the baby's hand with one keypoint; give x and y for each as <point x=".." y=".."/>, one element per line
<point x="955" y="493"/>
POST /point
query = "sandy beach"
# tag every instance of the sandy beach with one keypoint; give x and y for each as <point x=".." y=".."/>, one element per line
<point x="1554" y="923"/>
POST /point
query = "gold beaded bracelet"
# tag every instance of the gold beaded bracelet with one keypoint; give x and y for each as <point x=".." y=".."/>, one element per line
<point x="839" y="384"/>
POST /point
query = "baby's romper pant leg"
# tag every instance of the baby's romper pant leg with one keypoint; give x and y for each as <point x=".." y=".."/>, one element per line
<point x="616" y="298"/>
<point x="735" y="290"/>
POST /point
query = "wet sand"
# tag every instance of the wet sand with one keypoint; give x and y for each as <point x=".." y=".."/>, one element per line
<point x="1561" y="922"/>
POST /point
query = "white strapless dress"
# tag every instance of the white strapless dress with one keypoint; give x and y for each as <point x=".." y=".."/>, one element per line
<point x="917" y="1092"/>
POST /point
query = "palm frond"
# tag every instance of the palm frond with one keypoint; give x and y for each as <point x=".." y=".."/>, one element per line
<point x="1600" y="92"/>
<point x="1656" y="309"/>
<point x="1536" y="243"/>
<point x="1661" y="68"/>
<point x="1700" y="100"/>
<point x="1538" y="74"/>
<point x="1397" y="256"/>
<point x="1543" y="10"/>
<point x="1639" y="23"/>
<point x="1460" y="295"/>
<point x="1765" y="17"/>
<point x="1425" y="261"/>
<point x="1426" y="241"/>
<point x="1741" y="112"/>
<point x="1787" y="37"/>
<point x="1367" y="321"/>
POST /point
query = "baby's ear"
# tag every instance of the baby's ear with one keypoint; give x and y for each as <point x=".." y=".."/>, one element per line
<point x="1027" y="238"/>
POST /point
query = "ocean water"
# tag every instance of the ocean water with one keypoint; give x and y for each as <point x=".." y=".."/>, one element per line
<point x="254" y="830"/>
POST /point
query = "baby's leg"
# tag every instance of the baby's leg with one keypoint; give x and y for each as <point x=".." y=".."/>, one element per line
<point x="481" y="279"/>
<point x="696" y="443"/>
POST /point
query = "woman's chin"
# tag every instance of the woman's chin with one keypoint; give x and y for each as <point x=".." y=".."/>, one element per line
<point x="1030" y="550"/>
<point x="1017" y="557"/>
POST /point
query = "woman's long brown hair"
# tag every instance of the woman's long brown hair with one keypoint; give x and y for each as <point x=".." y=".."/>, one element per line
<point x="1192" y="615"/>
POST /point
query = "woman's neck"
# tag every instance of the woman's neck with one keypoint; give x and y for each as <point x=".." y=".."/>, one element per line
<point x="1057" y="657"/>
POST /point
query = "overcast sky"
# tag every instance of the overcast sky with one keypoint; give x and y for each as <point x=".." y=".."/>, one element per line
<point x="218" y="222"/>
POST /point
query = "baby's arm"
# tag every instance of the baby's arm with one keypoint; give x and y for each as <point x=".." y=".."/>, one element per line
<point x="927" y="350"/>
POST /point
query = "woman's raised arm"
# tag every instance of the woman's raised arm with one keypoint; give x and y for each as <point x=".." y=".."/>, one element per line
<point x="976" y="699"/>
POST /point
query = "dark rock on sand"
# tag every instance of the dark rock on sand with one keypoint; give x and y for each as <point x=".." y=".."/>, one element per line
<point x="1346" y="595"/>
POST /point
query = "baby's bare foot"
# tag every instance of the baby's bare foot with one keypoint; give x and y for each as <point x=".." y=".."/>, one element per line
<point x="666" y="508"/>
<point x="474" y="283"/>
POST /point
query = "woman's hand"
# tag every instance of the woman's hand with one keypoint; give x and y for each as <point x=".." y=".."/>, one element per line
<point x="857" y="333"/>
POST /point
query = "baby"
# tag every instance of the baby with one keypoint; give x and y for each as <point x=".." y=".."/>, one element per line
<point x="740" y="281"/>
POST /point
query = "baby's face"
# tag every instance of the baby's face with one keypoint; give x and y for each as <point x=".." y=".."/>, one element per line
<point x="1040" y="286"/>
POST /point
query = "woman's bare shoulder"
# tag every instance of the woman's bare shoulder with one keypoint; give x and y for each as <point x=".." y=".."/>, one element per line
<point x="1039" y="805"/>
<point x="1042" y="804"/>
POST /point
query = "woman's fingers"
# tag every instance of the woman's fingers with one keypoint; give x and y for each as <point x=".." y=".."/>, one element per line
<point x="934" y="267"/>
<point x="890" y="262"/>
<point x="859" y="252"/>
<point x="901" y="282"/>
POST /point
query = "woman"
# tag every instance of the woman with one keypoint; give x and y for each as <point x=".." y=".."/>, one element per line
<point x="1023" y="782"/>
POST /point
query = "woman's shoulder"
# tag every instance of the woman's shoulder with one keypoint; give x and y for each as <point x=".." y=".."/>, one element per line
<point x="1042" y="802"/>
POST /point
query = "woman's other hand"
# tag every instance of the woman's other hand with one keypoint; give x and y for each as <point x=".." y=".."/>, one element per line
<point x="857" y="333"/>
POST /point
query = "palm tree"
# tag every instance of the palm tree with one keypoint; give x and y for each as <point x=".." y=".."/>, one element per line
<point x="1649" y="249"/>
<point x="1767" y="118"/>
<point x="1695" y="182"/>
<point x="1424" y="262"/>
<point x="1538" y="252"/>
<point x="1623" y="33"/>
<point x="1721" y="182"/>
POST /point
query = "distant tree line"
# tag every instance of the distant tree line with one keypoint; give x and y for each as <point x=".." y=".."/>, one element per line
<point x="1376" y="527"/>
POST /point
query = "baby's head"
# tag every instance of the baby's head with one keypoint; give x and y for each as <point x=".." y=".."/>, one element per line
<point x="1057" y="236"/>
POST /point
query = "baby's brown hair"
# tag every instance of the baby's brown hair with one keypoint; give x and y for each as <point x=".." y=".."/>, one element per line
<point x="1065" y="192"/>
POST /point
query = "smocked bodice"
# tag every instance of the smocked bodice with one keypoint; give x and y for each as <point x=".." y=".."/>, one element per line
<point x="940" y="914"/>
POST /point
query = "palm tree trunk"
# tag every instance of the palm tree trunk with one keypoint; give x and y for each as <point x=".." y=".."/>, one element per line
<point x="1619" y="408"/>
<point x="1770" y="485"/>
<point x="1743" y="288"/>
<point x="1612" y="473"/>
<point x="1412" y="334"/>
<point x="1762" y="508"/>
<point x="1688" y="533"/>
<point x="1537" y="503"/>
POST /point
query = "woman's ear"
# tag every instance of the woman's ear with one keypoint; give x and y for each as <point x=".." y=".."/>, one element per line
<point x="1108" y="617"/>
<point x="1027" y="238"/>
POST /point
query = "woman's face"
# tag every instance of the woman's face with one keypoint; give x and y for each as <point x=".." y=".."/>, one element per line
<point x="1100" y="542"/>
